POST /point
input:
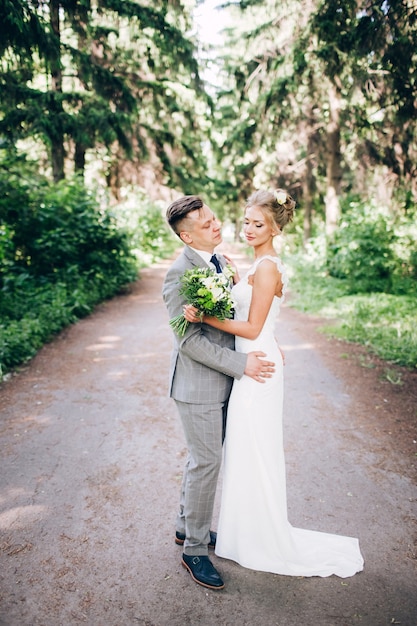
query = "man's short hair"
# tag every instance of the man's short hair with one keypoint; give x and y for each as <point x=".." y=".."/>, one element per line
<point x="179" y="209"/>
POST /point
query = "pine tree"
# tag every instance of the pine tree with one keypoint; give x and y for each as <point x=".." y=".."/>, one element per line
<point x="116" y="78"/>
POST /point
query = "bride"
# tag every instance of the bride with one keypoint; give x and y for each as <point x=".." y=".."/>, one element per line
<point x="253" y="527"/>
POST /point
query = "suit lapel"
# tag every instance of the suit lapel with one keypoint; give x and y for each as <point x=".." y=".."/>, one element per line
<point x="194" y="258"/>
<point x="197" y="261"/>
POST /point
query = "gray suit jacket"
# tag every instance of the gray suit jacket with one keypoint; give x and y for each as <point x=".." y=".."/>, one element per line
<point x="204" y="361"/>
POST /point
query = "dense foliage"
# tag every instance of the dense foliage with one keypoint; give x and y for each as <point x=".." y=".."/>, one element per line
<point x="374" y="251"/>
<point x="385" y="323"/>
<point x="371" y="298"/>
<point x="61" y="254"/>
<point x="144" y="223"/>
<point x="58" y="229"/>
<point x="321" y="97"/>
<point x="114" y="82"/>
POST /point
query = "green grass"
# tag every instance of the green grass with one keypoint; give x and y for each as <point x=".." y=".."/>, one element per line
<point x="386" y="324"/>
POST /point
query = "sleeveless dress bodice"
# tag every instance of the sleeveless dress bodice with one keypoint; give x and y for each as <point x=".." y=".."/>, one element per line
<point x="242" y="293"/>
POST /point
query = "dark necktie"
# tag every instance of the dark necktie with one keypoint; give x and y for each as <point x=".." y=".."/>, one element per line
<point x="216" y="264"/>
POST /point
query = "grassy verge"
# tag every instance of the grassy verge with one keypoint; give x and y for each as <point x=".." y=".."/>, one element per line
<point x="386" y="324"/>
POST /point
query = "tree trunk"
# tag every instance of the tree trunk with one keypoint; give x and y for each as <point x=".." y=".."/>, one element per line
<point x="309" y="180"/>
<point x="334" y="176"/>
<point x="113" y="176"/>
<point x="307" y="200"/>
<point x="57" y="135"/>
<point x="80" y="25"/>
<point x="79" y="158"/>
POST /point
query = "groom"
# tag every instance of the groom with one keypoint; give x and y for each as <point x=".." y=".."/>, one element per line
<point x="203" y="366"/>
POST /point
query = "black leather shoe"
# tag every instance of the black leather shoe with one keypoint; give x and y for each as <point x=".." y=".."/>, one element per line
<point x="180" y="538"/>
<point x="202" y="571"/>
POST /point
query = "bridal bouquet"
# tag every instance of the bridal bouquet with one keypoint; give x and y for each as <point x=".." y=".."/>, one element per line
<point x="209" y="292"/>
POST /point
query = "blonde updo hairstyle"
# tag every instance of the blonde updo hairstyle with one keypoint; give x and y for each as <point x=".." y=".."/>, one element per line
<point x="276" y="205"/>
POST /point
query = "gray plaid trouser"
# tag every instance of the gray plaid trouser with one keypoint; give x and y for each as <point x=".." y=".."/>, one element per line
<point x="203" y="426"/>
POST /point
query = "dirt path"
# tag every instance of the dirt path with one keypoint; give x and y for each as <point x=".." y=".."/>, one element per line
<point x="91" y="460"/>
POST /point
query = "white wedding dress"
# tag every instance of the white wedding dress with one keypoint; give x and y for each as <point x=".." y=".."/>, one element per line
<point x="253" y="528"/>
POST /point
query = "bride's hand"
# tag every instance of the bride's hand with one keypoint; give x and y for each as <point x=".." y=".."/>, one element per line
<point x="192" y="314"/>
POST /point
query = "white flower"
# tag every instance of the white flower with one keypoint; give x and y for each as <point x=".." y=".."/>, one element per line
<point x="218" y="293"/>
<point x="213" y="286"/>
<point x="209" y="282"/>
<point x="280" y="197"/>
<point x="222" y="278"/>
<point x="228" y="272"/>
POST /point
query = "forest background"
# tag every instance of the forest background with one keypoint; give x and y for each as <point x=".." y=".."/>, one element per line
<point x="110" y="109"/>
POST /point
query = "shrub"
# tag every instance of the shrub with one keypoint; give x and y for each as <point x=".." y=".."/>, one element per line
<point x="362" y="251"/>
<point x="149" y="235"/>
<point x="60" y="254"/>
<point x="59" y="228"/>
